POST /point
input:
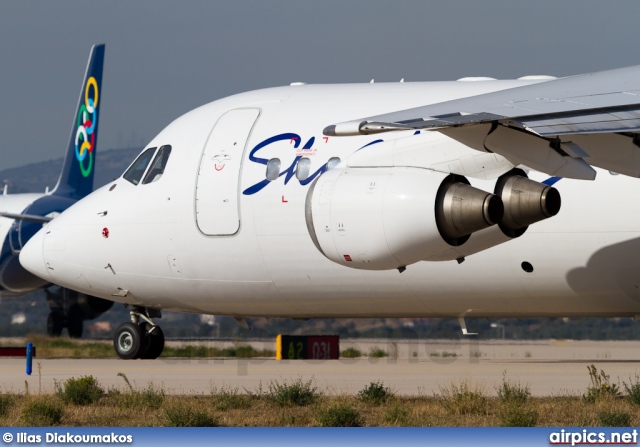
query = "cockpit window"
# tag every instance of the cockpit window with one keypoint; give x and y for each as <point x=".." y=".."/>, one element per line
<point x="135" y="172"/>
<point x="157" y="166"/>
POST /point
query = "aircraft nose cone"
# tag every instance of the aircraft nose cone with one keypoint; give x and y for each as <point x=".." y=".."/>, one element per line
<point x="32" y="256"/>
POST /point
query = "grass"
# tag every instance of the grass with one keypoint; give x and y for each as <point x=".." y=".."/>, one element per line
<point x="614" y="418"/>
<point x="461" y="405"/>
<point x="512" y="392"/>
<point x="60" y="347"/>
<point x="83" y="402"/>
<point x="241" y="351"/>
<point x="42" y="411"/>
<point x="6" y="402"/>
<point x="338" y="415"/>
<point x="181" y="414"/>
<point x="514" y="411"/>
<point x="464" y="398"/>
<point x="518" y="416"/>
<point x="152" y="396"/>
<point x="633" y="390"/>
<point x="227" y="398"/>
<point x="398" y="415"/>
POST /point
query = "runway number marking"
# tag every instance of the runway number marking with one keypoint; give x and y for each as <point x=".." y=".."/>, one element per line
<point x="292" y="351"/>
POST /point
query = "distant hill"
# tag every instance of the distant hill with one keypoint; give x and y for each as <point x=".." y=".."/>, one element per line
<point x="36" y="177"/>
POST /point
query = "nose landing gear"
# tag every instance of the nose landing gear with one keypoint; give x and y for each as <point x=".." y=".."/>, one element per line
<point x="139" y="339"/>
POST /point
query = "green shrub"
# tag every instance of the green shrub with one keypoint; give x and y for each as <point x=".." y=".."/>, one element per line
<point x="601" y="387"/>
<point x="180" y="415"/>
<point x="351" y="353"/>
<point x="633" y="390"/>
<point x="227" y="398"/>
<point x="375" y="393"/>
<point x="513" y="391"/>
<point x="42" y="412"/>
<point x="297" y="393"/>
<point x="83" y="391"/>
<point x="377" y="353"/>
<point x="516" y="415"/>
<point x="341" y="415"/>
<point x="461" y="399"/>
<point x="614" y="418"/>
<point x="6" y="402"/>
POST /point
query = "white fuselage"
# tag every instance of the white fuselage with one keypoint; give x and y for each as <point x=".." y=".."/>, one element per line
<point x="162" y="251"/>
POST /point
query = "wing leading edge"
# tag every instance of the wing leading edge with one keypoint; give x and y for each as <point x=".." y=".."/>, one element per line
<point x="561" y="127"/>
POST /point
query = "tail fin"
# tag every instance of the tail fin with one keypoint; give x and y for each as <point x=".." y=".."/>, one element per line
<point x="76" y="178"/>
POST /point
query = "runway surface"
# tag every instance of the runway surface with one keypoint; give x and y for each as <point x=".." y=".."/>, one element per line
<point x="414" y="368"/>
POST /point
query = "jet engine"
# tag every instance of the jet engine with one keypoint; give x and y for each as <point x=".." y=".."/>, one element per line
<point x="386" y="218"/>
<point x="525" y="202"/>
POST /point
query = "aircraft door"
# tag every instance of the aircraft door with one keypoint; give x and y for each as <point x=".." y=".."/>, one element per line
<point x="218" y="184"/>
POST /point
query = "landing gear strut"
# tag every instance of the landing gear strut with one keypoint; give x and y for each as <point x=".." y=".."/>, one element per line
<point x="141" y="338"/>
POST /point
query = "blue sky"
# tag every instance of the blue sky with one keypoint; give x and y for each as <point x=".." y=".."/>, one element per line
<point x="164" y="58"/>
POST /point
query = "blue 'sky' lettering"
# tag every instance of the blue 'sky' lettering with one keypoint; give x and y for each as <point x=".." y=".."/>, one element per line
<point x="291" y="170"/>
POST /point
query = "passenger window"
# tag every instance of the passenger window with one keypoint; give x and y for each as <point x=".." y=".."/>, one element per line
<point x="273" y="169"/>
<point x="302" y="171"/>
<point x="332" y="163"/>
<point x="157" y="166"/>
<point x="135" y="172"/>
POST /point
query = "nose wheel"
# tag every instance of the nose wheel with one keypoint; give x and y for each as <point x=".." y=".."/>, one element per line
<point x="138" y="339"/>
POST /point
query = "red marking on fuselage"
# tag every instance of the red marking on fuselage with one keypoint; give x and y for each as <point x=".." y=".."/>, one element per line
<point x="105" y="232"/>
<point x="284" y="201"/>
<point x="220" y="168"/>
<point x="326" y="139"/>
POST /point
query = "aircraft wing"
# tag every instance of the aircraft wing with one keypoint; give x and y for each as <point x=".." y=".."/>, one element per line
<point x="27" y="217"/>
<point x="560" y="127"/>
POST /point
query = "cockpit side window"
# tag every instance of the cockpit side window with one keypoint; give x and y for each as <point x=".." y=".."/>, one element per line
<point x="135" y="172"/>
<point x="157" y="166"/>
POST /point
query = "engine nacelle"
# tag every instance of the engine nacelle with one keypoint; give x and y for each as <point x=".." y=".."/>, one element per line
<point x="386" y="218"/>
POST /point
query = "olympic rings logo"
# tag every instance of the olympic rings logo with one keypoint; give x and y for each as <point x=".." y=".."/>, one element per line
<point x="87" y="120"/>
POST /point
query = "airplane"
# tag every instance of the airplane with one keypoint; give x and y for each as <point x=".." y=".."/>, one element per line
<point x="22" y="215"/>
<point x="425" y="199"/>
